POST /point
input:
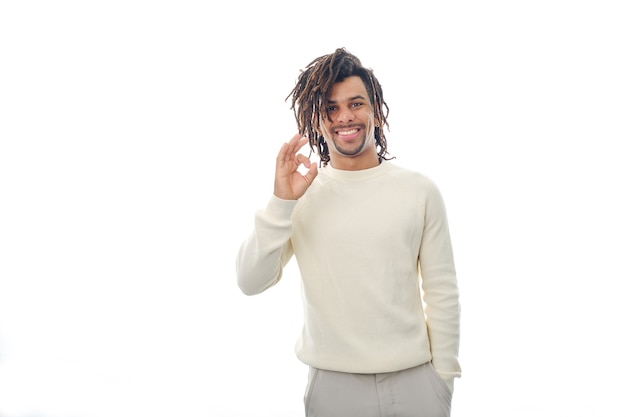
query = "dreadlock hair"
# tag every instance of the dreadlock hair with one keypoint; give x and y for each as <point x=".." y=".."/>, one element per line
<point x="310" y="96"/>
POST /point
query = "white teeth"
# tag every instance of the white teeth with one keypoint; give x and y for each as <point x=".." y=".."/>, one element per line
<point x="347" y="132"/>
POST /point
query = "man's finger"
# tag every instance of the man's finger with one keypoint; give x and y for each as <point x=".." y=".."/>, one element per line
<point x="303" y="160"/>
<point x="281" y="158"/>
<point x="298" y="142"/>
<point x="287" y="151"/>
<point x="293" y="146"/>
<point x="311" y="174"/>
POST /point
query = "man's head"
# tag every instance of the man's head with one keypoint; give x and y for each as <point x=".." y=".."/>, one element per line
<point x="333" y="95"/>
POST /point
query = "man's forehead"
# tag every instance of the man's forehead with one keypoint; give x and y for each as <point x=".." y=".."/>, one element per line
<point x="351" y="88"/>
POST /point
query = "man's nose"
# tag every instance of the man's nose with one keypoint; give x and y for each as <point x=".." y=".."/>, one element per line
<point x="345" y="115"/>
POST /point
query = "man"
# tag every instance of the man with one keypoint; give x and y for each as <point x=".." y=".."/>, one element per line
<point x="381" y="303"/>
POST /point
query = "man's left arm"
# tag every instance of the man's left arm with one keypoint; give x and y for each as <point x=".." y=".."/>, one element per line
<point x="440" y="289"/>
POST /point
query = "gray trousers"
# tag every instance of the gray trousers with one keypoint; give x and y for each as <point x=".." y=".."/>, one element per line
<point x="413" y="392"/>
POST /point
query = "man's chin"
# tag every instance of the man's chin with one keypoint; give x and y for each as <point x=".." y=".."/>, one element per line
<point x="349" y="151"/>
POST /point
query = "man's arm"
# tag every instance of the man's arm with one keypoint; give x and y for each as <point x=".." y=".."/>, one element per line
<point x="267" y="250"/>
<point x="441" y="294"/>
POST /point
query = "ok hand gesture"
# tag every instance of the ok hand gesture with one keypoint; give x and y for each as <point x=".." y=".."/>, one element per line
<point x="289" y="184"/>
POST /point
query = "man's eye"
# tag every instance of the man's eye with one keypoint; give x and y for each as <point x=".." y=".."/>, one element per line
<point x="331" y="108"/>
<point x="356" y="104"/>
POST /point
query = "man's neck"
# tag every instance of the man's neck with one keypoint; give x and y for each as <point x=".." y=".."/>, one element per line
<point x="355" y="164"/>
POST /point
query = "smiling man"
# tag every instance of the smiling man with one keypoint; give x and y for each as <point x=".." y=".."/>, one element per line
<point x="380" y="297"/>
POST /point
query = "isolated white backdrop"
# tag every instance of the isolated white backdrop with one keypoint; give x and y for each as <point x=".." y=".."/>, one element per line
<point x="138" y="138"/>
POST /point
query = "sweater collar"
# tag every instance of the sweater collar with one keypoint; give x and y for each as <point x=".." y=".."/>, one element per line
<point x="358" y="175"/>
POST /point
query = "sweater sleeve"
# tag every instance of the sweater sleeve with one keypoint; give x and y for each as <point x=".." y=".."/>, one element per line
<point x="262" y="256"/>
<point x="440" y="290"/>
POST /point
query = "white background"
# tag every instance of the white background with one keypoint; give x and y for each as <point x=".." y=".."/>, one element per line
<point x="138" y="139"/>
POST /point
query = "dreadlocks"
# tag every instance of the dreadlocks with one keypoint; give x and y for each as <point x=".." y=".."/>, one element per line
<point x="312" y="90"/>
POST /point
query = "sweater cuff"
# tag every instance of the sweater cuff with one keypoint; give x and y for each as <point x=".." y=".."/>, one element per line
<point x="448" y="378"/>
<point x="278" y="208"/>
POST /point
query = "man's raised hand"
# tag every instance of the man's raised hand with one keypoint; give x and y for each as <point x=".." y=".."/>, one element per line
<point x="289" y="183"/>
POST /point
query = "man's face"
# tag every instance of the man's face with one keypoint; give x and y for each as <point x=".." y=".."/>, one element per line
<point x="348" y="126"/>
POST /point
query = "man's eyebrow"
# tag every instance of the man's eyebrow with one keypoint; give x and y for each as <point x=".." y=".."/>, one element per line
<point x="349" y="99"/>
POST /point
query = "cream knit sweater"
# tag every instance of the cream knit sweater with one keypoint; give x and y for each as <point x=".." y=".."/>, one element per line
<point x="378" y="278"/>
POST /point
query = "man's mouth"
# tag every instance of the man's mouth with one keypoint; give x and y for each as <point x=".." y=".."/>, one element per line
<point x="348" y="134"/>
